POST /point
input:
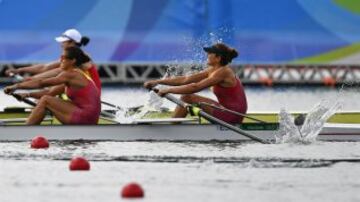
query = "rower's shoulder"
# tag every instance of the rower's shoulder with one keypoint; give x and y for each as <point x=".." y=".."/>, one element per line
<point x="71" y="73"/>
<point x="226" y="70"/>
<point x="88" y="65"/>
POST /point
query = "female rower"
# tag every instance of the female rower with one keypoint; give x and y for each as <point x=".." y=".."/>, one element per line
<point x="219" y="76"/>
<point x="84" y="104"/>
<point x="70" y="38"/>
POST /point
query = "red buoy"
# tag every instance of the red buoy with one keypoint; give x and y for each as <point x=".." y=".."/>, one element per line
<point x="79" y="163"/>
<point x="132" y="190"/>
<point x="39" y="142"/>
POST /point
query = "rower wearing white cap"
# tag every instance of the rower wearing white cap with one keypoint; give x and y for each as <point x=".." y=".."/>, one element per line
<point x="71" y="35"/>
<point x="69" y="38"/>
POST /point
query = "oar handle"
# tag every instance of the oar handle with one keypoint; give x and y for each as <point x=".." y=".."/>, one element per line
<point x="17" y="77"/>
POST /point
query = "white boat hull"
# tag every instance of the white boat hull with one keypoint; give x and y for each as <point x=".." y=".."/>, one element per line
<point x="161" y="132"/>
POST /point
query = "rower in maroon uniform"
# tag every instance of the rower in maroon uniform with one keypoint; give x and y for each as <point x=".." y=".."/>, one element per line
<point x="84" y="105"/>
<point x="219" y="76"/>
<point x="70" y="38"/>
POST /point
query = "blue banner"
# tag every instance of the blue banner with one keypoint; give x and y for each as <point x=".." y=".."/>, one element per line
<point x="167" y="31"/>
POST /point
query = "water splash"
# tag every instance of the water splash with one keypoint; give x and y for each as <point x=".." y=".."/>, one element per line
<point x="153" y="103"/>
<point x="309" y="130"/>
<point x="193" y="54"/>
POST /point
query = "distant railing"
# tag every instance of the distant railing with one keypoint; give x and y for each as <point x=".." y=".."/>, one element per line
<point x="250" y="74"/>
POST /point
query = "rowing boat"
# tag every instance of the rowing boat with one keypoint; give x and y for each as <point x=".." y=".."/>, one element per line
<point x="346" y="117"/>
<point x="165" y="132"/>
<point x="163" y="129"/>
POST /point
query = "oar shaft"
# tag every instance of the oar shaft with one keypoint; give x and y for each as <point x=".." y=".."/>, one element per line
<point x="25" y="100"/>
<point x="107" y="114"/>
<point x="176" y="101"/>
<point x="112" y="105"/>
<point x="213" y="119"/>
<point x="231" y="111"/>
<point x="231" y="127"/>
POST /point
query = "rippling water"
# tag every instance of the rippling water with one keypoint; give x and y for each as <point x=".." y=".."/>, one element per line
<point x="185" y="171"/>
<point x="190" y="171"/>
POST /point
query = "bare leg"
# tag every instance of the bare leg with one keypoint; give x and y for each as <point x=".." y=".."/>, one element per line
<point x="37" y="114"/>
<point x="61" y="109"/>
<point x="181" y="112"/>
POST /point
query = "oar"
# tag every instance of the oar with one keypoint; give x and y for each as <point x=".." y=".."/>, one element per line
<point x="210" y="118"/>
<point x="112" y="105"/>
<point x="25" y="100"/>
<point x="232" y="112"/>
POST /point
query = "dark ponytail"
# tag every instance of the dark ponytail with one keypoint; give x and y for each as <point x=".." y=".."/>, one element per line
<point x="77" y="54"/>
<point x="233" y="53"/>
<point x="84" y="41"/>
<point x="228" y="55"/>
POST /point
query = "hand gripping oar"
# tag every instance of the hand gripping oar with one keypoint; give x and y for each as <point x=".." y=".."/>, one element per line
<point x="210" y="118"/>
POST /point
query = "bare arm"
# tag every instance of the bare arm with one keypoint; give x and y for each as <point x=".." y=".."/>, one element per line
<point x="214" y="79"/>
<point x="53" y="91"/>
<point x="47" y="74"/>
<point x="62" y="78"/>
<point x="179" y="80"/>
<point x="194" y="87"/>
<point x="35" y="69"/>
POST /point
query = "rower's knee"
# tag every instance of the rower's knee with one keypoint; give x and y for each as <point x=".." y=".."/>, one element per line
<point x="44" y="100"/>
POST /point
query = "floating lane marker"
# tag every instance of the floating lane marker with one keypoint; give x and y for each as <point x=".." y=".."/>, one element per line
<point x="132" y="190"/>
<point x="79" y="164"/>
<point x="39" y="142"/>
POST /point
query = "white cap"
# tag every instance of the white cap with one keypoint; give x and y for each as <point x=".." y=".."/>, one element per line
<point x="70" y="34"/>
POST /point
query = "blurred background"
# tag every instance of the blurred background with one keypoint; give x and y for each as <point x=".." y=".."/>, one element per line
<point x="293" y="55"/>
<point x="281" y="42"/>
<point x="161" y="31"/>
<point x="268" y="34"/>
